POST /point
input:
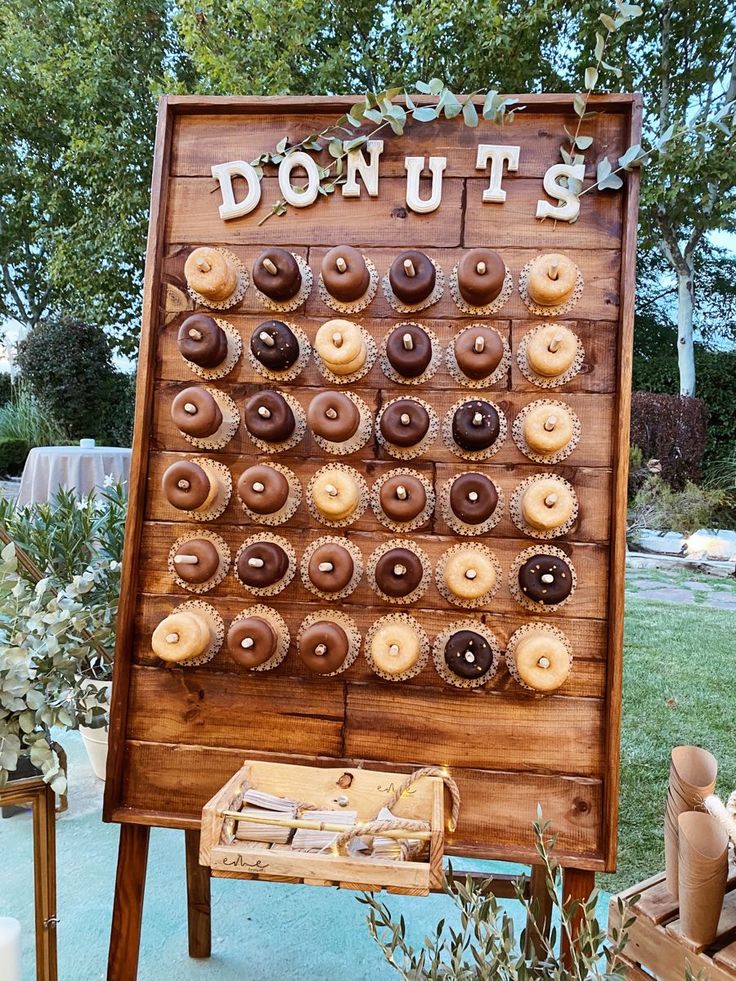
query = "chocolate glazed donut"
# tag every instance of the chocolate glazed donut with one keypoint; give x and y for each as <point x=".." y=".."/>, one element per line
<point x="268" y="416"/>
<point x="333" y="416"/>
<point x="185" y="484"/>
<point x="404" y="422"/>
<point x="195" y="412"/>
<point x="205" y="565"/>
<point x="480" y="276"/>
<point x="409" y="350"/>
<point x="263" y="489"/>
<point x="475" y="425"/>
<point x="412" y="277"/>
<point x="545" y="579"/>
<point x="478" y="352"/>
<point x="324" y="646"/>
<point x="345" y="274"/>
<point x="468" y="654"/>
<point x="262" y="564"/>
<point x="473" y="498"/>
<point x="399" y="572"/>
<point x="276" y="273"/>
<point x="251" y="642"/>
<point x="330" y="567"/>
<point x="202" y="341"/>
<point x="403" y="497"/>
<point x="274" y="345"/>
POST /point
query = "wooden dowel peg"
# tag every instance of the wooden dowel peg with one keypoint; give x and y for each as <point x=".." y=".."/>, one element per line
<point x="473" y="496"/>
<point x="172" y="638"/>
<point x="550" y="423"/>
<point x="471" y="574"/>
<point x="270" y="266"/>
<point x="183" y="484"/>
<point x="267" y="339"/>
<point x="408" y="341"/>
<point x="331" y="413"/>
<point x="196" y="335"/>
<point x="342" y="266"/>
<point x="203" y="265"/>
<point x="331" y="490"/>
<point x="399" y="570"/>
<point x="263" y="412"/>
<point x="553" y="271"/>
<point x="185" y="559"/>
<point x="258" y="487"/>
<point x="320" y="650"/>
<point x="325" y="567"/>
<point x="306" y="825"/>
<point x="246" y="643"/>
<point x="256" y="563"/>
<point x="401" y="492"/>
<point x="478" y="419"/>
<point x="554" y="345"/>
<point x="394" y="650"/>
<point x="479" y="345"/>
<point x="548" y="578"/>
<point x="469" y="657"/>
<point x="409" y="268"/>
<point x="481" y="268"/>
<point x="550" y="500"/>
<point x="337" y="339"/>
<point x="404" y="418"/>
<point x="190" y="408"/>
<point x="543" y="662"/>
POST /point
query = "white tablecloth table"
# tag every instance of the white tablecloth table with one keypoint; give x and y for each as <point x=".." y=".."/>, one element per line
<point x="74" y="467"/>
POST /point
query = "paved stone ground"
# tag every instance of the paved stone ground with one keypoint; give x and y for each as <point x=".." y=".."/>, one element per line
<point x="684" y="587"/>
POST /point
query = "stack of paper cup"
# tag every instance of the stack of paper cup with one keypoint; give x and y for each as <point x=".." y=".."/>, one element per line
<point x="692" y="778"/>
<point x="703" y="870"/>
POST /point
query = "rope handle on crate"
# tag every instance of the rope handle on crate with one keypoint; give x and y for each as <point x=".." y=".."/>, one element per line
<point x="372" y="829"/>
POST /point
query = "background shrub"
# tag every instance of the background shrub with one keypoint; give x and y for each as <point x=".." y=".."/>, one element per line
<point x="13" y="453"/>
<point x="671" y="429"/>
<point x="6" y="387"/>
<point x="24" y="424"/>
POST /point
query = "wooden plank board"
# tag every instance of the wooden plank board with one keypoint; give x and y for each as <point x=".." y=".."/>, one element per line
<point x="178" y="732"/>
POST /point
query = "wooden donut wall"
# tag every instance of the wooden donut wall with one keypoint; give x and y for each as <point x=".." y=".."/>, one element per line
<point x="179" y="733"/>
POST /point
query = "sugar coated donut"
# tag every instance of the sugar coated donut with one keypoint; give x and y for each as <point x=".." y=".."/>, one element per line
<point x="335" y="493"/>
<point x="469" y="572"/>
<point x="547" y="504"/>
<point x="547" y="427"/>
<point x="551" y="279"/>
<point x="181" y="637"/>
<point x="341" y="346"/>
<point x="542" y="660"/>
<point x="211" y="273"/>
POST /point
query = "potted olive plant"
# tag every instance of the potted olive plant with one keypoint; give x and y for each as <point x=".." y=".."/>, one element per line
<point x="59" y="590"/>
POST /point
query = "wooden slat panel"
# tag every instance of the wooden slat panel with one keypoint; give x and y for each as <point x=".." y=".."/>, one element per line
<point x="203" y="140"/>
<point x="590" y="561"/>
<point x="264" y="713"/>
<point x="591" y="487"/>
<point x="495" y="818"/>
<point x="541" y="734"/>
<point x="598" y="301"/>
<point x="595" y="414"/>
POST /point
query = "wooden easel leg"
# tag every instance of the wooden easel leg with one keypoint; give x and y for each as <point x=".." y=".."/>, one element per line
<point x="198" y="899"/>
<point x="127" y="913"/>
<point x="576" y="884"/>
<point x="542" y="901"/>
<point x="44" y="871"/>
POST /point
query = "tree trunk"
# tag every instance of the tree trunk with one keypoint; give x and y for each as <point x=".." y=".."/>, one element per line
<point x="685" y="349"/>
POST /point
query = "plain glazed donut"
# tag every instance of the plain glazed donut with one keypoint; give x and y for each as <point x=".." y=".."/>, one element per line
<point x="542" y="660"/>
<point x="211" y="273"/>
<point x="551" y="350"/>
<point x="181" y="637"/>
<point x="547" y="504"/>
<point x="395" y="647"/>
<point x="547" y="428"/>
<point x="339" y="343"/>
<point x="335" y="493"/>
<point x="469" y="573"/>
<point x="551" y="279"/>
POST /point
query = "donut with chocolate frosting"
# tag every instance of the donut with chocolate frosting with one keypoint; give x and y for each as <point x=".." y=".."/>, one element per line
<point x="195" y="412"/>
<point x="545" y="579"/>
<point x="333" y="416"/>
<point x="330" y="567"/>
<point x="409" y="350"/>
<point x="345" y="274"/>
<point x="402" y="497"/>
<point x="468" y="654"/>
<point x="252" y="642"/>
<point x="399" y="572"/>
<point x="268" y="416"/>
<point x="480" y="276"/>
<point x="285" y="282"/>
<point x="412" y="277"/>
<point x="206" y="565"/>
<point x="475" y="425"/>
<point x="473" y="498"/>
<point x="263" y="489"/>
<point x="404" y="422"/>
<point x="186" y="485"/>
<point x="478" y="352"/>
<point x="262" y="564"/>
<point x="274" y="345"/>
<point x="202" y="341"/>
<point x="323" y="646"/>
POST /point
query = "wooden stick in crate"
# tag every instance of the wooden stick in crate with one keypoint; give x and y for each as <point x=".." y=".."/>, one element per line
<point x="415" y="829"/>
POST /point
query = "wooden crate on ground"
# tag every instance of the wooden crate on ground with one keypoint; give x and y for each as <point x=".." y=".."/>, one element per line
<point x="657" y="947"/>
<point x="360" y="790"/>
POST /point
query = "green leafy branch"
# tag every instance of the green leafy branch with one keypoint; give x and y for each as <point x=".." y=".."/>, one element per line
<point x="382" y="109"/>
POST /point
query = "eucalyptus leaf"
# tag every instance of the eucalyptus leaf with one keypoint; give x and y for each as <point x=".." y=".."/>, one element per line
<point x="591" y="77"/>
<point x="583" y="142"/>
<point x="281" y="145"/>
<point x="608" y="22"/>
<point x="424" y="114"/>
<point x="470" y="114"/>
<point x="578" y="104"/>
<point x="603" y="169"/>
<point x="435" y="86"/>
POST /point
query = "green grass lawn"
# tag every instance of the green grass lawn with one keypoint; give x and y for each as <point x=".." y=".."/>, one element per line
<point x="679" y="687"/>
